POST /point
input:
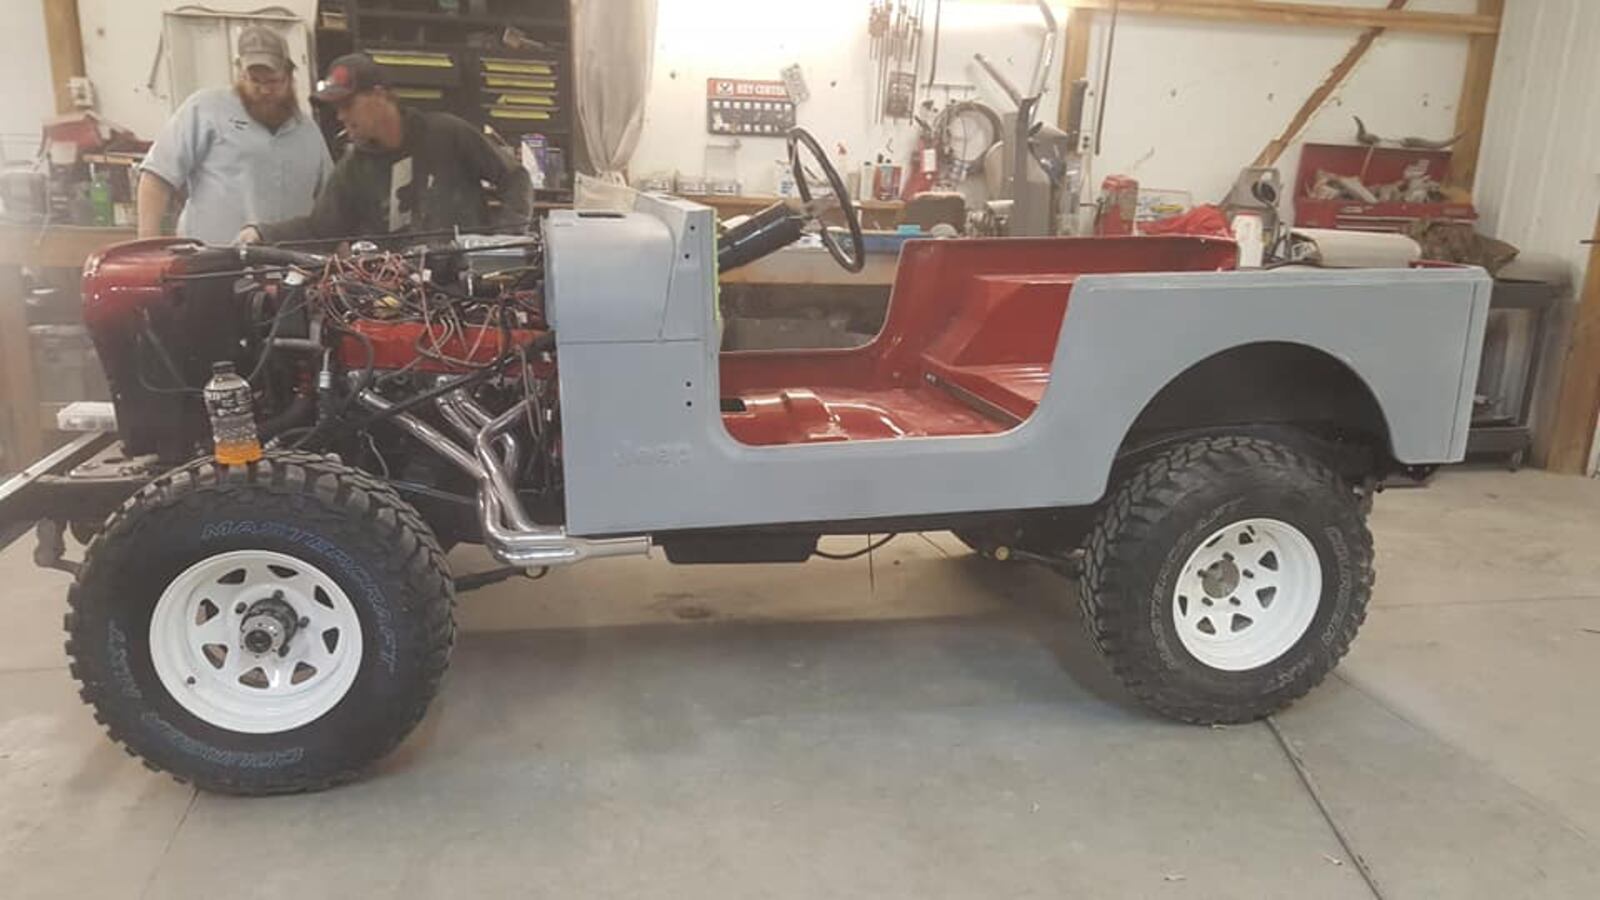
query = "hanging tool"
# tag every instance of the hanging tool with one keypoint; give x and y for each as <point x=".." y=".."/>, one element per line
<point x="933" y="63"/>
<point x="879" y="19"/>
<point x="900" y="60"/>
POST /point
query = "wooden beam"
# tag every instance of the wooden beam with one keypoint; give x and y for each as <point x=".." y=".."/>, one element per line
<point x="1578" y="403"/>
<point x="1474" y="99"/>
<point x="1322" y="15"/>
<point x="1075" y="64"/>
<point x="1275" y="147"/>
<point x="66" y="48"/>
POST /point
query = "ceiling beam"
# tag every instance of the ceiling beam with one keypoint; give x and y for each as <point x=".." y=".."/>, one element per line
<point x="1321" y="15"/>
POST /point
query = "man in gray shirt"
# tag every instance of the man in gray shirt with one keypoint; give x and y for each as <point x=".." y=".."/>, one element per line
<point x="239" y="154"/>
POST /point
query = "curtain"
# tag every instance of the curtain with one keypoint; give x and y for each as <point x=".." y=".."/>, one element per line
<point x="613" y="48"/>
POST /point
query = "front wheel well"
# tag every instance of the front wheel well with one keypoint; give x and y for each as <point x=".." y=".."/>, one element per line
<point x="1276" y="386"/>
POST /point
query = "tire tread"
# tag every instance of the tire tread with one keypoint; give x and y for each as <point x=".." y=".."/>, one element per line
<point x="1136" y="507"/>
<point x="317" y="482"/>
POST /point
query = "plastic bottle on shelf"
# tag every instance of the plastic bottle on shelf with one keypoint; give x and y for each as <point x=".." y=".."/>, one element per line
<point x="233" y="417"/>
<point x="100" y="196"/>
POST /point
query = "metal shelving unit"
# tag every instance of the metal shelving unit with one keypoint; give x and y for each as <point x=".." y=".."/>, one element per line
<point x="505" y="64"/>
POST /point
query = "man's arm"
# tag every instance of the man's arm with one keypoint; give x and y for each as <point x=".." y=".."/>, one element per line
<point x="155" y="197"/>
<point x="334" y="215"/>
<point x="324" y="167"/>
<point x="496" y="166"/>
<point x="183" y="142"/>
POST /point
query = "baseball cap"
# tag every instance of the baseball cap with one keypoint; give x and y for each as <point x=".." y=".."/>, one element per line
<point x="349" y="75"/>
<point x="261" y="46"/>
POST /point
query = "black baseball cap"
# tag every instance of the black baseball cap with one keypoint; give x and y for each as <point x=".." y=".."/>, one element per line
<point x="349" y="75"/>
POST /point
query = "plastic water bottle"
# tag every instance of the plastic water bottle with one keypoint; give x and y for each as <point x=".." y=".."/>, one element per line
<point x="233" y="418"/>
<point x="100" y="196"/>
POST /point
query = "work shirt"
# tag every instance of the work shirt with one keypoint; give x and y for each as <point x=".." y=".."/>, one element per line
<point x="434" y="181"/>
<point x="235" y="170"/>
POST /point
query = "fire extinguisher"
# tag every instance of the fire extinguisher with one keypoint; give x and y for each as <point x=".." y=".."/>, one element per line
<point x="1117" y="206"/>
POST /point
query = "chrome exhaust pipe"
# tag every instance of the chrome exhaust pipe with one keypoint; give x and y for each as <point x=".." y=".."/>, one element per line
<point x="525" y="544"/>
<point x="537" y="545"/>
<point x="423" y="432"/>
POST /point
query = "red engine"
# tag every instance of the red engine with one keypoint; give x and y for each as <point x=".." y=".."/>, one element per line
<point x="429" y="349"/>
<point x="158" y="322"/>
<point x="161" y="312"/>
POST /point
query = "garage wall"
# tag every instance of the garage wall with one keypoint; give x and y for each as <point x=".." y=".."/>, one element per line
<point x="700" y="39"/>
<point x="1539" y="175"/>
<point x="120" y="41"/>
<point x="1190" y="102"/>
<point x="25" y="71"/>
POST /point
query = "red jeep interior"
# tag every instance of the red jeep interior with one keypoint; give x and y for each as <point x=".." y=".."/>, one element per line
<point x="966" y="348"/>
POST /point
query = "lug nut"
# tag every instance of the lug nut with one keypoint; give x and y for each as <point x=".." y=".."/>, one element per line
<point x="239" y="608"/>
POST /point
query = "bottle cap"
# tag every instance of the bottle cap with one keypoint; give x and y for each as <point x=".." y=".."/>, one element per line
<point x="222" y="367"/>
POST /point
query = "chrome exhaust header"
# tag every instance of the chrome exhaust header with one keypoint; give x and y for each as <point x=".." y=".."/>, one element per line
<point x="510" y="534"/>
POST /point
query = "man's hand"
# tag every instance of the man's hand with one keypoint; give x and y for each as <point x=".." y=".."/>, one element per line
<point x="248" y="235"/>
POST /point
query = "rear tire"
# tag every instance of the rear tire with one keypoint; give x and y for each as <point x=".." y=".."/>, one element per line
<point x="323" y="561"/>
<point x="1226" y="578"/>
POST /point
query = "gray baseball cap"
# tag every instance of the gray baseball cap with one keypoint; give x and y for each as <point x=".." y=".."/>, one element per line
<point x="261" y="46"/>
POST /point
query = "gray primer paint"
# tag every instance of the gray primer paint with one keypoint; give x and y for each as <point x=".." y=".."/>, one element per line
<point x="645" y="448"/>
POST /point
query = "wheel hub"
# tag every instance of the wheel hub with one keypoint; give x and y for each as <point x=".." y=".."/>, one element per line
<point x="1220" y="579"/>
<point x="255" y="641"/>
<point x="1247" y="594"/>
<point x="268" y="626"/>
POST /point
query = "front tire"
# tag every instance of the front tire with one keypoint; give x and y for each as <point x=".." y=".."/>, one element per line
<point x="262" y="629"/>
<point x="1226" y="578"/>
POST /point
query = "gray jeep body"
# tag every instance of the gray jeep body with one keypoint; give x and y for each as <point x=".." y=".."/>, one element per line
<point x="632" y="299"/>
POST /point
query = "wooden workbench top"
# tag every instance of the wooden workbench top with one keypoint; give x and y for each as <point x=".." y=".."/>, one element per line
<point x="813" y="265"/>
<point x="58" y="246"/>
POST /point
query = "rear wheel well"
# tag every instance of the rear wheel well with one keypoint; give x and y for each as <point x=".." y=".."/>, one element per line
<point x="1281" y="387"/>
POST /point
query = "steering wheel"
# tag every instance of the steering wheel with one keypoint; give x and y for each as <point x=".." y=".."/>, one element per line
<point x="856" y="259"/>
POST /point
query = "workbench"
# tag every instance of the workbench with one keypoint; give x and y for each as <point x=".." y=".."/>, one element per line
<point x="813" y="266"/>
<point x="876" y="215"/>
<point x="24" y="422"/>
<point x="799" y="297"/>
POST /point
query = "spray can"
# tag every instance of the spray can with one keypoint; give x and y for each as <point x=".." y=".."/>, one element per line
<point x="233" y="418"/>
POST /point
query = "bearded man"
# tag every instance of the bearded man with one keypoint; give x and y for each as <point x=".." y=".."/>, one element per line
<point x="236" y="155"/>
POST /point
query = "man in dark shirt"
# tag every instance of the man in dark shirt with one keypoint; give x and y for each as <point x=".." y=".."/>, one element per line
<point x="405" y="170"/>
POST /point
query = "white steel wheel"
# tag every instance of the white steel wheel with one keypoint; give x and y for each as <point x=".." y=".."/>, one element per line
<point x="1247" y="594"/>
<point x="255" y="641"/>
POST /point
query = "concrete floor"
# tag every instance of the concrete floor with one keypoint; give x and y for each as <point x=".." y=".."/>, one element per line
<point x="918" y="724"/>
